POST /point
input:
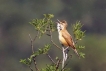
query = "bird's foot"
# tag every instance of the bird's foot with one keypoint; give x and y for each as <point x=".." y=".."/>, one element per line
<point x="66" y="53"/>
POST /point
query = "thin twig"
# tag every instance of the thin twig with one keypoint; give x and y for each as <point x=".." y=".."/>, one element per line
<point x="30" y="68"/>
<point x="35" y="64"/>
<point x="52" y="39"/>
<point x="57" y="64"/>
<point x="36" y="35"/>
<point x="50" y="58"/>
<point x="32" y="41"/>
<point x="76" y="41"/>
<point x="55" y="44"/>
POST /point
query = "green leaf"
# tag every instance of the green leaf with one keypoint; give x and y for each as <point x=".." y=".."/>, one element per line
<point x="78" y="33"/>
<point x="42" y="24"/>
<point x="81" y="47"/>
<point x="57" y="58"/>
<point x="82" y="54"/>
<point x="26" y="61"/>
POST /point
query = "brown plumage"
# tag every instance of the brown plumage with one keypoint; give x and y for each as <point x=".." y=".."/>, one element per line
<point x="64" y="37"/>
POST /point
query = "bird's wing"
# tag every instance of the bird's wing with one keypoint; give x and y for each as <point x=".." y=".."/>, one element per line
<point x="68" y="39"/>
<point x="70" y="42"/>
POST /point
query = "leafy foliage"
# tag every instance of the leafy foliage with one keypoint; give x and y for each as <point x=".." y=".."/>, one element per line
<point x="78" y="35"/>
<point x="50" y="68"/>
<point x="43" y="26"/>
<point x="53" y="68"/>
<point x="28" y="61"/>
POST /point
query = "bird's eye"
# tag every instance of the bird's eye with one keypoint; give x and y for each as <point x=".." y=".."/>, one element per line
<point x="60" y="27"/>
<point x="62" y="23"/>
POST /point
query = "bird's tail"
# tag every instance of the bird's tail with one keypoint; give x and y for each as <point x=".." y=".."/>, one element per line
<point x="76" y="52"/>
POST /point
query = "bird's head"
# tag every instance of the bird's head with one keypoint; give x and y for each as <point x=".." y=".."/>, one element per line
<point x="61" y="25"/>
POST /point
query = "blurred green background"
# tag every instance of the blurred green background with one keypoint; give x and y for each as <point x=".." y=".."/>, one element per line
<point x="15" y="16"/>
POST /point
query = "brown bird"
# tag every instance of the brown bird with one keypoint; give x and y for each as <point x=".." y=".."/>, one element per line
<point x="64" y="37"/>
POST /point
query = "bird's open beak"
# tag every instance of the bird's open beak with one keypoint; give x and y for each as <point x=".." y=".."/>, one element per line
<point x="58" y="21"/>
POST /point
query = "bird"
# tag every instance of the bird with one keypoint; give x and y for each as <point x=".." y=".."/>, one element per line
<point x="64" y="37"/>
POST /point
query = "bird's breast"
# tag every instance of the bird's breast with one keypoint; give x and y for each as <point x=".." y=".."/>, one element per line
<point x="63" y="41"/>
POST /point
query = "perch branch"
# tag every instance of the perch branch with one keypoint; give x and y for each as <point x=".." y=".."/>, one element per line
<point x="70" y="56"/>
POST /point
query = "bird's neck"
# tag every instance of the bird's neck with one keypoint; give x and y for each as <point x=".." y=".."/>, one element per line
<point x="63" y="30"/>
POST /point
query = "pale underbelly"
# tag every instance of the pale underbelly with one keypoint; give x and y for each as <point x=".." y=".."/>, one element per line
<point x="63" y="41"/>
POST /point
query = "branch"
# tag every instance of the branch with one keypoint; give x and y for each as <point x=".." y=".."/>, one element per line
<point x="57" y="64"/>
<point x="32" y="40"/>
<point x="55" y="44"/>
<point x="51" y="39"/>
<point x="31" y="43"/>
<point x="70" y="56"/>
<point x="64" y="57"/>
<point x="35" y="64"/>
<point x="30" y="68"/>
<point x="50" y="58"/>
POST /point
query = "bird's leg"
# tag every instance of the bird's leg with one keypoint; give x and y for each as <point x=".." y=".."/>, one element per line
<point x="66" y="53"/>
<point x="66" y="48"/>
<point x="63" y="57"/>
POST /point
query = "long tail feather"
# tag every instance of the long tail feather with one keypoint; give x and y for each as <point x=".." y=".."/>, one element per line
<point x="76" y="53"/>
